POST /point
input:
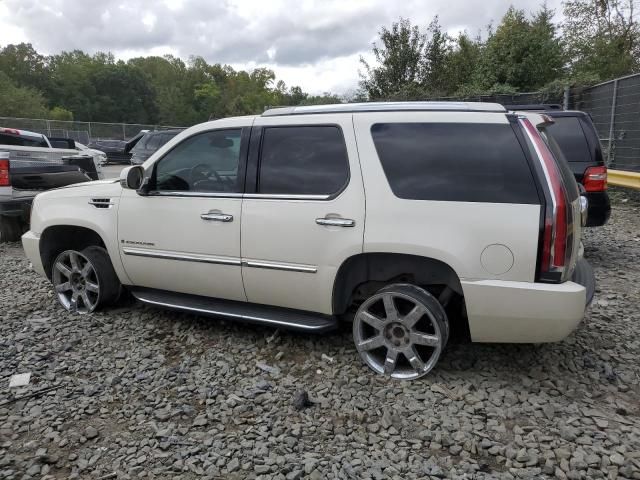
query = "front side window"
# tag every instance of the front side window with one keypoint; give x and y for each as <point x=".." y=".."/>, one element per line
<point x="206" y="162"/>
<point x="463" y="162"/>
<point x="307" y="160"/>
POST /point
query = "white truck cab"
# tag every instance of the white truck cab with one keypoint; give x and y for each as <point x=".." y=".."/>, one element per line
<point x="415" y="221"/>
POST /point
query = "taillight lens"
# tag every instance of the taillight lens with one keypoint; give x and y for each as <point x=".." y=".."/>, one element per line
<point x="555" y="252"/>
<point x="5" y="181"/>
<point x="595" y="179"/>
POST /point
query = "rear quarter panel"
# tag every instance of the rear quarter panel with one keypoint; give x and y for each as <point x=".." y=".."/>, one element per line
<point x="453" y="232"/>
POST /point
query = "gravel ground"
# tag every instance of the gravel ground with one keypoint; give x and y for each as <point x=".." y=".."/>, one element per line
<point x="143" y="393"/>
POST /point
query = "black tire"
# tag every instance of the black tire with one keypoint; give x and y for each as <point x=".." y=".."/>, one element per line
<point x="10" y="229"/>
<point x="110" y="286"/>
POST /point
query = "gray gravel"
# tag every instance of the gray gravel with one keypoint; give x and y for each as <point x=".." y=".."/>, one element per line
<point x="143" y="393"/>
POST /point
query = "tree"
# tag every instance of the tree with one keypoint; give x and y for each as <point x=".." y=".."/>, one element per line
<point x="436" y="68"/>
<point x="522" y="54"/>
<point x="20" y="101"/>
<point x="399" y="62"/>
<point x="602" y="37"/>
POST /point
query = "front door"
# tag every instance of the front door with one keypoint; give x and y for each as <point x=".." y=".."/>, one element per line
<point x="305" y="215"/>
<point x="184" y="236"/>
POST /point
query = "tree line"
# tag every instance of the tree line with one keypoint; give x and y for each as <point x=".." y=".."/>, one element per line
<point x="597" y="40"/>
<point x="150" y="90"/>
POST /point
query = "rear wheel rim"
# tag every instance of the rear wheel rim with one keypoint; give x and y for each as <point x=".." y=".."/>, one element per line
<point x="76" y="282"/>
<point x="398" y="335"/>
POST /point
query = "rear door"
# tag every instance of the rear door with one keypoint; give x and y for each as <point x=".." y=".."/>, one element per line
<point x="305" y="214"/>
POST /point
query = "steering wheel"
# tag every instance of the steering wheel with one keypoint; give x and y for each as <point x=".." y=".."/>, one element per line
<point x="198" y="172"/>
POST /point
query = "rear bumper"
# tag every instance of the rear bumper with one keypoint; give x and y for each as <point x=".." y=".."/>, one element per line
<point x="31" y="246"/>
<point x="524" y="312"/>
<point x="599" y="208"/>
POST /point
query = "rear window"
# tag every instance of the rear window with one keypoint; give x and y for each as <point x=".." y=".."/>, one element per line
<point x="463" y="162"/>
<point x="571" y="139"/>
<point x="22" y="141"/>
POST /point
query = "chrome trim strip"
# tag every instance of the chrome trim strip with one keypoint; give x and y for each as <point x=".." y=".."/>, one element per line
<point x="191" y="257"/>
<point x="268" y="321"/>
<point x="195" y="194"/>
<point x="284" y="196"/>
<point x="287" y="267"/>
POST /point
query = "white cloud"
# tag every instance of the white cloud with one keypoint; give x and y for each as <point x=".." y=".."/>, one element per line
<point x="314" y="44"/>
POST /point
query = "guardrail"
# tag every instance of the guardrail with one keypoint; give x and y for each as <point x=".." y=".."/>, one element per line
<point x="620" y="178"/>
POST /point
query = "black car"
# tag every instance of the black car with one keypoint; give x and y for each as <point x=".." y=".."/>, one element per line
<point x="115" y="150"/>
<point x="578" y="139"/>
<point x="149" y="143"/>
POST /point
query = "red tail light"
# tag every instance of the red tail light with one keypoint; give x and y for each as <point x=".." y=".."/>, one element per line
<point x="595" y="179"/>
<point x="555" y="254"/>
<point x="5" y="181"/>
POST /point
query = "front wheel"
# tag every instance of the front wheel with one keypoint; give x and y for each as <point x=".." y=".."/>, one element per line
<point x="401" y="331"/>
<point x="85" y="280"/>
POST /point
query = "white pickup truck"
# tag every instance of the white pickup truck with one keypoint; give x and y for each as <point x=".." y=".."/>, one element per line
<point x="29" y="164"/>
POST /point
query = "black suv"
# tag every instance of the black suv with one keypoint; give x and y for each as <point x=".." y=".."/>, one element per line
<point x="578" y="139"/>
<point x="149" y="143"/>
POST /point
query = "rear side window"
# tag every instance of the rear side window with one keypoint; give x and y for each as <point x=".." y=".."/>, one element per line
<point x="462" y="162"/>
<point x="309" y="160"/>
<point x="21" y="141"/>
<point x="571" y="139"/>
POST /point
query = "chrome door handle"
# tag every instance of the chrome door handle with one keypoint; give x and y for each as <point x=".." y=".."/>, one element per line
<point x="336" y="222"/>
<point x="217" y="217"/>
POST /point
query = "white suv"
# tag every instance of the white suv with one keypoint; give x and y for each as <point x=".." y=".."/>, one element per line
<point x="416" y="221"/>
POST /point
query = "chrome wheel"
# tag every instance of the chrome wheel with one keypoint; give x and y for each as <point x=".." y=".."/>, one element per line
<point x="76" y="282"/>
<point x="399" y="333"/>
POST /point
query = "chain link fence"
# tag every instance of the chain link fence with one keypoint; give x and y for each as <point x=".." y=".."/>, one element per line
<point x="83" y="132"/>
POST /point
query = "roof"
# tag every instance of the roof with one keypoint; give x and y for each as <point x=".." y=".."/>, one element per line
<point x="386" y="107"/>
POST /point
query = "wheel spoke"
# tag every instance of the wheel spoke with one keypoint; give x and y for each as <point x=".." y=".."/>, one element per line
<point x="75" y="261"/>
<point x="91" y="287"/>
<point x="414" y="359"/>
<point x="86" y="269"/>
<point x="86" y="301"/>
<point x="370" y="343"/>
<point x="411" y="318"/>
<point x="390" y="361"/>
<point x="63" y="269"/>
<point x="420" y="338"/>
<point x="390" y="307"/>
<point x="372" y="320"/>
<point x="63" y="287"/>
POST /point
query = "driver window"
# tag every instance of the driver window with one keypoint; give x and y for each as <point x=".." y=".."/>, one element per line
<point x="206" y="162"/>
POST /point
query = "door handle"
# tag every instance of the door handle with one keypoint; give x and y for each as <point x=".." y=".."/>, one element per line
<point x="336" y="222"/>
<point x="217" y="217"/>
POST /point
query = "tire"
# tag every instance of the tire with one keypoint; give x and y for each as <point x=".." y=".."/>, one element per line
<point x="85" y="281"/>
<point x="10" y="229"/>
<point x="401" y="331"/>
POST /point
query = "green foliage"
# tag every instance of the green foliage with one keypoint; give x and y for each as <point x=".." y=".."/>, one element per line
<point x="602" y="37"/>
<point x="152" y="90"/>
<point x="20" y="101"/>
<point x="601" y="40"/>
<point x="59" y="113"/>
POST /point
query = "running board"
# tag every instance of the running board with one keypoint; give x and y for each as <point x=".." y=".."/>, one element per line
<point x="289" y="319"/>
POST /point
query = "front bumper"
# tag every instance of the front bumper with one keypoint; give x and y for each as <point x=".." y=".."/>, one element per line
<point x="525" y="312"/>
<point x="31" y="246"/>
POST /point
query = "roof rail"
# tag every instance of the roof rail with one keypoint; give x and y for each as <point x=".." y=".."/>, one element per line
<point x="386" y="107"/>
<point x="534" y="106"/>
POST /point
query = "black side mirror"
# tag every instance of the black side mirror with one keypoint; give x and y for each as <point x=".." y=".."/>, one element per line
<point x="132" y="177"/>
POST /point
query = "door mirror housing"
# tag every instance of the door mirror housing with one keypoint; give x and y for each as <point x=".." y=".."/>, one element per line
<point x="132" y="177"/>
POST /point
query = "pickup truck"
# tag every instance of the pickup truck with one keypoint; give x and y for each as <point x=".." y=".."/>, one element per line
<point x="29" y="164"/>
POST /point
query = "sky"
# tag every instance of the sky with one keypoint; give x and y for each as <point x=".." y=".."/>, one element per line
<point x="314" y="44"/>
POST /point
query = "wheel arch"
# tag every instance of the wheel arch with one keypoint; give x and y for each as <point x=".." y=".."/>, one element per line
<point x="365" y="273"/>
<point x="57" y="238"/>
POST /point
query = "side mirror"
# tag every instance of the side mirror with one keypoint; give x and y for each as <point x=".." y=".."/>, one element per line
<point x="132" y="177"/>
